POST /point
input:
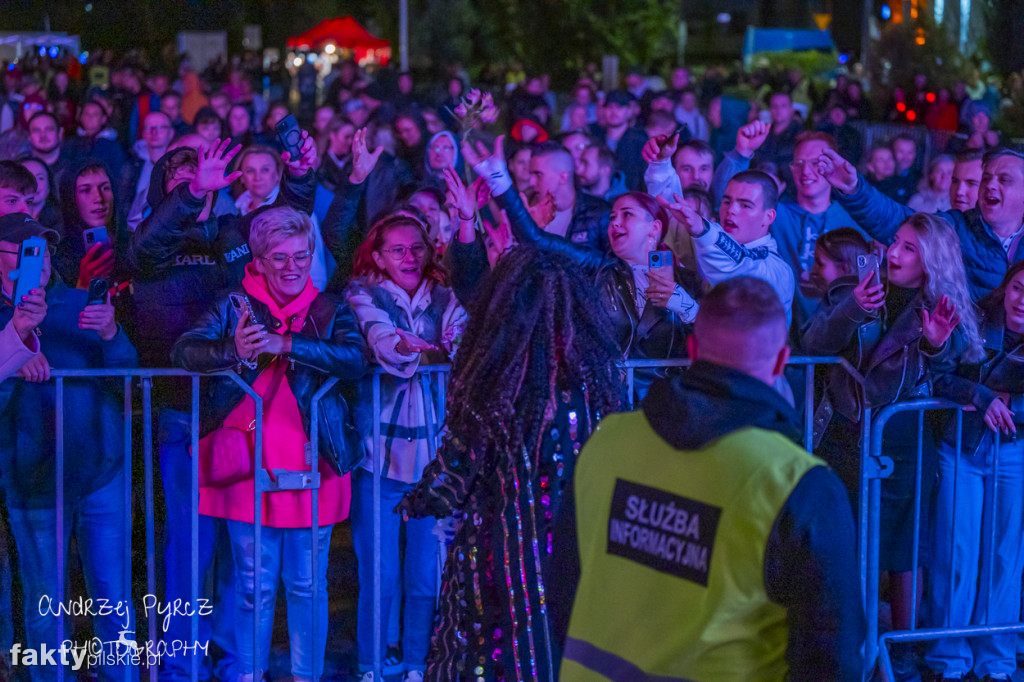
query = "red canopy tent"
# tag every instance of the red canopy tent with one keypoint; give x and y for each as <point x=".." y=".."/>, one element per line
<point x="345" y="33"/>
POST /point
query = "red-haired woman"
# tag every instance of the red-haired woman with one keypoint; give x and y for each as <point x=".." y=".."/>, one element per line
<point x="651" y="308"/>
<point x="409" y="316"/>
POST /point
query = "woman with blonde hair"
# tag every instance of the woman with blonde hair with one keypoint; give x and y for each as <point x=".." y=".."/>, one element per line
<point x="296" y="340"/>
<point x="921" y="318"/>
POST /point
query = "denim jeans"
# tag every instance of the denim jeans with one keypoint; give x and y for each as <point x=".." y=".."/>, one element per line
<point x="963" y="542"/>
<point x="286" y="555"/>
<point x="98" y="523"/>
<point x="176" y="473"/>
<point x="420" y="574"/>
<point x="6" y="608"/>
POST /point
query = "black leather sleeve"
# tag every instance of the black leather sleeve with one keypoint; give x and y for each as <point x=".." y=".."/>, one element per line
<point x="340" y="230"/>
<point x="210" y="345"/>
<point x="345" y="356"/>
<point x="834" y="327"/>
<point x="526" y="231"/>
<point x="467" y="263"/>
<point x="161" y="235"/>
<point x="300" y="192"/>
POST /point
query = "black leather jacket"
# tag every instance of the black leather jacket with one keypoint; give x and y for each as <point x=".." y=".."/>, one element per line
<point x="658" y="334"/>
<point x="329" y="345"/>
<point x="979" y="383"/>
<point x="893" y="360"/>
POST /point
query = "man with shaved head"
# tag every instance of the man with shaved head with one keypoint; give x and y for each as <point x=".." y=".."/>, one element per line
<point x="703" y="542"/>
<point x="579" y="217"/>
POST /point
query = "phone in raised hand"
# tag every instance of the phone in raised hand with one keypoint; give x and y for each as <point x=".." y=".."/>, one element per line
<point x="31" y="255"/>
<point x="95" y="235"/>
<point x="868" y="264"/>
<point x="290" y="135"/>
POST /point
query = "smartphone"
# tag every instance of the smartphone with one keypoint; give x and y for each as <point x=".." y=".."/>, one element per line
<point x="30" y="267"/>
<point x="94" y="235"/>
<point x="241" y="304"/>
<point x="290" y="135"/>
<point x="659" y="259"/>
<point x="867" y="264"/>
<point x="98" y="287"/>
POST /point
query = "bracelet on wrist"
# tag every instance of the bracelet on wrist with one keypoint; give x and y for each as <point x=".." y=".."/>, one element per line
<point x="464" y="219"/>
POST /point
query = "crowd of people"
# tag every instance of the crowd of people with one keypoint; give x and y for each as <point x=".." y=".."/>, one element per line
<point x="662" y="222"/>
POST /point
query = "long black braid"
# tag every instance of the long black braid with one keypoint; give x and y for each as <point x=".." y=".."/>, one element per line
<point x="536" y="328"/>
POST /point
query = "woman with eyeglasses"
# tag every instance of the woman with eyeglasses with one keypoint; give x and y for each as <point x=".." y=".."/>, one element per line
<point x="299" y="338"/>
<point x="410" y="317"/>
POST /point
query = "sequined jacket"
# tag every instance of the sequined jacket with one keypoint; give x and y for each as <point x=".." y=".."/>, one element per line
<point x="494" y="616"/>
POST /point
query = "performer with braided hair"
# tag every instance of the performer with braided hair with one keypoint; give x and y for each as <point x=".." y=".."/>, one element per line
<point x="535" y="373"/>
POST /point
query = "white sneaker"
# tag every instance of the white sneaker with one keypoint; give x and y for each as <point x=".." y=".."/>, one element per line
<point x="367" y="676"/>
<point x="413" y="676"/>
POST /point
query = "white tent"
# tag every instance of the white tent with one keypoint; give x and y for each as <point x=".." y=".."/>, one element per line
<point x="15" y="44"/>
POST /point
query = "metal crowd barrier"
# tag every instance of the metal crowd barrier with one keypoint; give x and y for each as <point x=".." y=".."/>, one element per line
<point x="874" y="468"/>
<point x="433" y="380"/>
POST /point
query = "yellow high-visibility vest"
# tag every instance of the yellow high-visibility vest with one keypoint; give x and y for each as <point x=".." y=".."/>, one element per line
<point x="672" y="547"/>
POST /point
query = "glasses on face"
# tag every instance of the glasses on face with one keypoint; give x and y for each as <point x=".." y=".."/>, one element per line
<point x="398" y="253"/>
<point x="279" y="261"/>
<point x="798" y="166"/>
<point x="437" y="149"/>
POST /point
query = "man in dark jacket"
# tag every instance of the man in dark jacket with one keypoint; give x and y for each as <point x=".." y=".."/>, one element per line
<point x="622" y="138"/>
<point x="157" y="133"/>
<point x="383" y="186"/>
<point x="990" y="234"/>
<point x="751" y="573"/>
<point x="579" y="217"/>
<point x="72" y="336"/>
<point x="780" y="143"/>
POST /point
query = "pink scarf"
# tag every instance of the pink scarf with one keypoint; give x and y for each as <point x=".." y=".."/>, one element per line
<point x="293" y="315"/>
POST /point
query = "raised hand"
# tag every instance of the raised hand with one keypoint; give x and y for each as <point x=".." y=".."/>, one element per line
<point x="29" y="313"/>
<point x="683" y="214"/>
<point x="459" y="198"/>
<point x="499" y="240"/>
<point x="490" y="166"/>
<point x="837" y="171"/>
<point x="543" y="209"/>
<point x="660" y="148"/>
<point x="940" y="323"/>
<point x="478" y="153"/>
<point x="870" y="294"/>
<point x="363" y="160"/>
<point x="212" y="164"/>
<point x="750" y="138"/>
<point x="307" y="157"/>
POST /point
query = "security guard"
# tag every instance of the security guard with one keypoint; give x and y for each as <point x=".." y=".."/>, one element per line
<point x="710" y="546"/>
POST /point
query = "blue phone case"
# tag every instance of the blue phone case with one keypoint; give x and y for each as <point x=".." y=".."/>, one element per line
<point x="30" y="267"/>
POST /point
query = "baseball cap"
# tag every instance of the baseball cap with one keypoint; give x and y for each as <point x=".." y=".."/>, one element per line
<point x="17" y="227"/>
<point x="620" y="97"/>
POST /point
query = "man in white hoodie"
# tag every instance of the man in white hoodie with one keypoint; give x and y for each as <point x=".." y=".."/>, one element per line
<point x="157" y="132"/>
<point x="742" y="243"/>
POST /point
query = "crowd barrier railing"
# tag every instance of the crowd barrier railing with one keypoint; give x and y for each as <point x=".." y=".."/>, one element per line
<point x="433" y="381"/>
<point x="877" y="466"/>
